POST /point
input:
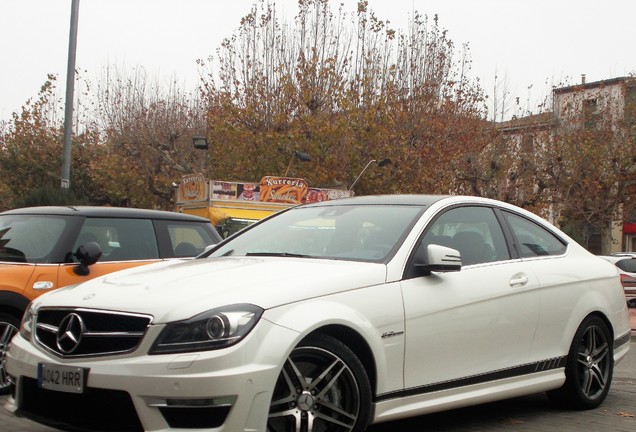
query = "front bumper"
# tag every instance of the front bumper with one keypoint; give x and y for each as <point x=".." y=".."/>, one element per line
<point x="221" y="390"/>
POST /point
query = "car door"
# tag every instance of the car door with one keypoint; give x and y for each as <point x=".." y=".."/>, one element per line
<point x="40" y="239"/>
<point x="125" y="243"/>
<point x="471" y="325"/>
<point x="560" y="276"/>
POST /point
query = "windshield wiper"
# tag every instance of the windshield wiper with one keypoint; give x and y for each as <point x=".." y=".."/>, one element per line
<point x="278" y="254"/>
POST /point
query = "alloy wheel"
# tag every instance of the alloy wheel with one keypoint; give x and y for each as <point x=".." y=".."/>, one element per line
<point x="7" y="331"/>
<point x="593" y="362"/>
<point x="315" y="392"/>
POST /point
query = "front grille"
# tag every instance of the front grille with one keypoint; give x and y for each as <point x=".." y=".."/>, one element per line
<point x="69" y="332"/>
<point x="95" y="410"/>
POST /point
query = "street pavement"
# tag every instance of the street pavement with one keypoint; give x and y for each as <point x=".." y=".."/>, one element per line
<point x="525" y="414"/>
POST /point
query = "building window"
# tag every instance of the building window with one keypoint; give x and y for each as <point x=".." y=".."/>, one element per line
<point x="630" y="105"/>
<point x="590" y="113"/>
<point x="527" y="144"/>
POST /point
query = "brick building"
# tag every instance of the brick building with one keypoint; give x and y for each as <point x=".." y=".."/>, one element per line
<point x="608" y="105"/>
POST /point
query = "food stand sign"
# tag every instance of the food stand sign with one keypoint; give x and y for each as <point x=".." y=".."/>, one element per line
<point x="239" y="191"/>
<point x="321" y="194"/>
<point x="193" y="187"/>
<point x="287" y="190"/>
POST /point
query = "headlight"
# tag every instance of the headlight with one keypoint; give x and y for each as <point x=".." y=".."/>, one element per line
<point x="28" y="320"/>
<point x="214" y="329"/>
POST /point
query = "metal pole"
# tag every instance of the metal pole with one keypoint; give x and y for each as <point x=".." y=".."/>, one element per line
<point x="361" y="172"/>
<point x="70" y="89"/>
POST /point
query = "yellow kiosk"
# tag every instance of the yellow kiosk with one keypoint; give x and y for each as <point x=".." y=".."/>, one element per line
<point x="231" y="206"/>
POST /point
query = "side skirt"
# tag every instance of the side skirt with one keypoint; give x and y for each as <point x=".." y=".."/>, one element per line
<point x="509" y="383"/>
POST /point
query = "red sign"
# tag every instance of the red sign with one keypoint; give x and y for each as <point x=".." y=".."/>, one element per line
<point x="320" y="194"/>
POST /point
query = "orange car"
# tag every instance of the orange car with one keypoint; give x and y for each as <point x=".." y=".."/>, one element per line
<point x="44" y="248"/>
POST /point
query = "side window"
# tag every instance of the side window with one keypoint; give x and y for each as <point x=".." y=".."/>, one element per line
<point x="533" y="240"/>
<point x="474" y="231"/>
<point x="188" y="239"/>
<point x="33" y="239"/>
<point x="120" y="239"/>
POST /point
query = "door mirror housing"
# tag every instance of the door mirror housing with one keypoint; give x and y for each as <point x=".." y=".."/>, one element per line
<point x="87" y="254"/>
<point x="439" y="259"/>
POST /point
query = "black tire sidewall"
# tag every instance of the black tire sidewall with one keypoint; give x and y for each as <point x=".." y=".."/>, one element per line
<point x="352" y="361"/>
<point x="9" y="319"/>
<point x="573" y="396"/>
<point x="6" y="318"/>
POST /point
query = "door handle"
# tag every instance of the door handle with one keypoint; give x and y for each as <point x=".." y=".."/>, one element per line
<point x="519" y="279"/>
<point x="43" y="285"/>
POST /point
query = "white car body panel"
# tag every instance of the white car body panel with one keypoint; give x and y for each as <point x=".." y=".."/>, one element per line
<point x="563" y="289"/>
<point x="372" y="319"/>
<point x="479" y="311"/>
<point x="267" y="282"/>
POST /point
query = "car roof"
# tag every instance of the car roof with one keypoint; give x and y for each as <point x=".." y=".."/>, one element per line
<point x="624" y="254"/>
<point x="110" y="212"/>
<point x="406" y="199"/>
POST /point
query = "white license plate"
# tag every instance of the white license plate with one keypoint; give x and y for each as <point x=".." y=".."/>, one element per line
<point x="62" y="378"/>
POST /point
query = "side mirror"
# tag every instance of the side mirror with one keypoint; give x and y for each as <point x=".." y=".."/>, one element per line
<point x="87" y="254"/>
<point x="206" y="250"/>
<point x="440" y="259"/>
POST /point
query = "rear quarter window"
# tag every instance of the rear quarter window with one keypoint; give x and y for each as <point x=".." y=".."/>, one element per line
<point x="533" y="240"/>
<point x="182" y="239"/>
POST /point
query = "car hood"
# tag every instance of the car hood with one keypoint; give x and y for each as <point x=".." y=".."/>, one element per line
<point x="179" y="290"/>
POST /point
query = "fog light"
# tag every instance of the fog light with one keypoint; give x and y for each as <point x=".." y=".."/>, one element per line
<point x="222" y="401"/>
<point x="195" y="413"/>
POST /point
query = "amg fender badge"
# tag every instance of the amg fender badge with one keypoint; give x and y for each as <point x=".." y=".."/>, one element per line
<point x="391" y="334"/>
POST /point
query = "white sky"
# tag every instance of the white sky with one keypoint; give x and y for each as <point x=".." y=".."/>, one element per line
<point x="530" y="42"/>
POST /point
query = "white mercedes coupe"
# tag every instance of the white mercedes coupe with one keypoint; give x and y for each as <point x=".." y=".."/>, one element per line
<point x="329" y="317"/>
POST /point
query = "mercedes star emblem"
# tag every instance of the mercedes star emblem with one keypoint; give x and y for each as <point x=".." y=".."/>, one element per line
<point x="69" y="333"/>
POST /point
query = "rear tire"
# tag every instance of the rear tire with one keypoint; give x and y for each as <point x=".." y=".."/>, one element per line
<point x="9" y="326"/>
<point x="589" y="367"/>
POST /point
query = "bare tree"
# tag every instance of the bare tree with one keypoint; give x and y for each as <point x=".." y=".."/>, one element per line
<point x="147" y="131"/>
<point x="347" y="87"/>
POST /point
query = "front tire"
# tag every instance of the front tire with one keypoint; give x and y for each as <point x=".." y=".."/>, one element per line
<point x="9" y="326"/>
<point x="322" y="387"/>
<point x="589" y="367"/>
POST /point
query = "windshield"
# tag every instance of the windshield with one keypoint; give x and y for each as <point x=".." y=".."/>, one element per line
<point x="26" y="238"/>
<point x="350" y="232"/>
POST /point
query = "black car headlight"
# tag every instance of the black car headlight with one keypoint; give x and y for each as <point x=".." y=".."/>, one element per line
<point x="217" y="328"/>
